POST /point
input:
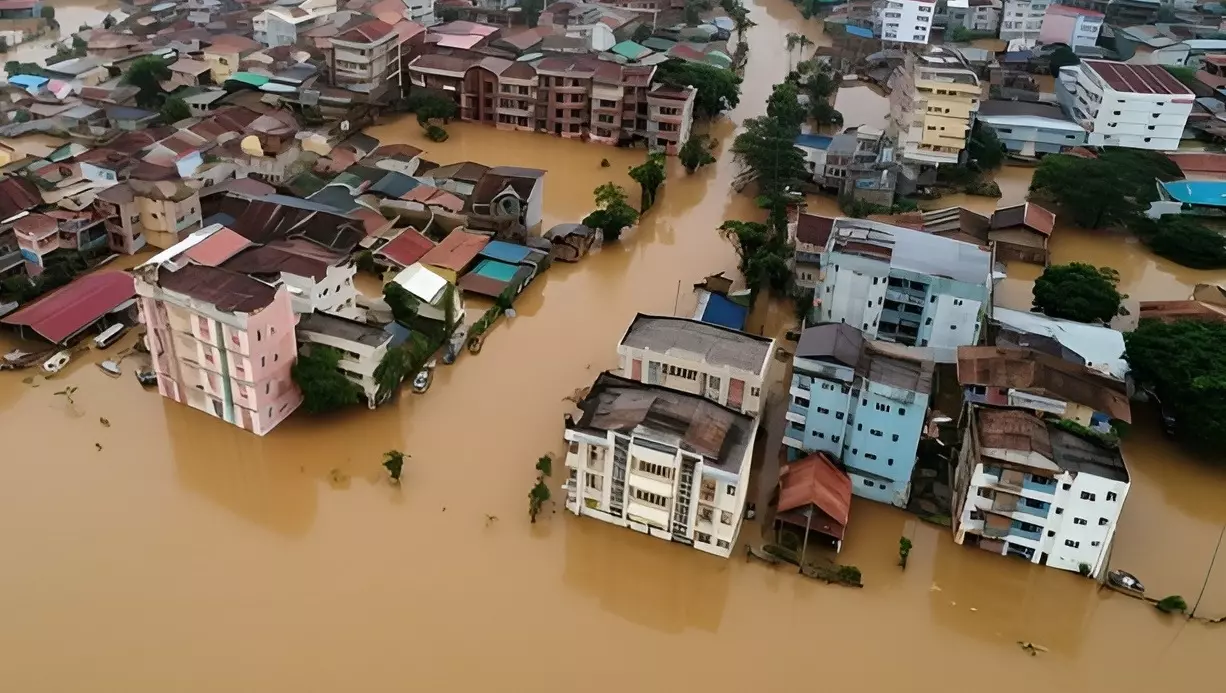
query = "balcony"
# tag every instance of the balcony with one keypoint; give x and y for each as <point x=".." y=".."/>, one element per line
<point x="904" y="297"/>
<point x="995" y="532"/>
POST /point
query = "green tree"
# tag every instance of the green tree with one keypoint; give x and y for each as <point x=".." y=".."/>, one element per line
<point x="692" y="17"/>
<point x="1107" y="190"/>
<point x="537" y="498"/>
<point x="763" y="255"/>
<point x="985" y="148"/>
<point x="767" y="147"/>
<point x="532" y="10"/>
<point x="739" y="16"/>
<point x="324" y="388"/>
<point x="695" y="153"/>
<point x="794" y="41"/>
<point x="1184" y="362"/>
<point x="1062" y="56"/>
<point x="147" y="75"/>
<point x="393" y="462"/>
<point x="784" y="106"/>
<point x="1171" y="604"/>
<point x="650" y="176"/>
<point x="390" y="372"/>
<point x="1078" y="291"/>
<point x="612" y="214"/>
<point x="430" y="105"/>
<point x="404" y="305"/>
<point x="544" y="464"/>
<point x="1184" y="240"/>
<point x="718" y="89"/>
<point x="823" y="113"/>
<point x="108" y="22"/>
<point x="959" y="34"/>
<point x="641" y="33"/>
<point x="904" y="551"/>
<point x="174" y="110"/>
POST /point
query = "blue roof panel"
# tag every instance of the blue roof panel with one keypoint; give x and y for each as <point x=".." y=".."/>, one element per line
<point x="814" y="141"/>
<point x="723" y="312"/>
<point x="1210" y="193"/>
<point x="506" y="252"/>
<point x="858" y="31"/>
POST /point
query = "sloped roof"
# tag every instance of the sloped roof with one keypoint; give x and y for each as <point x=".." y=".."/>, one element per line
<point x="814" y="229"/>
<point x="455" y="251"/>
<point x="70" y="309"/>
<point x="407" y="248"/>
<point x="816" y="481"/>
<point x="227" y="290"/>
<point x="835" y="341"/>
<point x="1027" y="369"/>
<point x="217" y="248"/>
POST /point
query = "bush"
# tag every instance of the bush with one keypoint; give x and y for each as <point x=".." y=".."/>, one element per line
<point x="984" y="188"/>
<point x="1084" y="569"/>
<point x="848" y="574"/>
<point x="1078" y="291"/>
<point x="1184" y="240"/>
<point x="1172" y="604"/>
<point x="436" y="133"/>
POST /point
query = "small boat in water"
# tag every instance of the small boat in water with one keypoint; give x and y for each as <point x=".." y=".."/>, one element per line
<point x="1125" y="581"/>
<point x="421" y="382"/>
<point x="110" y="368"/>
<point x="57" y="362"/>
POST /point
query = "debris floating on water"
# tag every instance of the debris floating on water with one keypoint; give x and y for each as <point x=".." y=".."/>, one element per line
<point x="103" y="420"/>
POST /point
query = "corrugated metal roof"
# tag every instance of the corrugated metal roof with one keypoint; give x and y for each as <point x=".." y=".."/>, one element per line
<point x="815" y="481"/>
<point x="68" y="310"/>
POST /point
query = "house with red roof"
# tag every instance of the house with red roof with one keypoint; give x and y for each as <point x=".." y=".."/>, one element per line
<point x="814" y="498"/>
<point x="65" y="313"/>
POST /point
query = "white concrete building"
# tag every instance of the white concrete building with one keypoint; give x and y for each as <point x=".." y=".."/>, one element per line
<point x="934" y="96"/>
<point x="431" y="292"/>
<point x="1023" y="19"/>
<point x="699" y="358"/>
<point x="314" y="284"/>
<point x="1125" y="105"/>
<point x="282" y="25"/>
<point x="905" y="286"/>
<point x="1029" y="489"/>
<point x="905" y="21"/>
<point x="661" y="462"/>
<point x="366" y="57"/>
<point x="1074" y="26"/>
<point x="362" y="348"/>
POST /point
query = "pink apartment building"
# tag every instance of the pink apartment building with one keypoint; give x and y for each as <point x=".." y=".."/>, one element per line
<point x="222" y="342"/>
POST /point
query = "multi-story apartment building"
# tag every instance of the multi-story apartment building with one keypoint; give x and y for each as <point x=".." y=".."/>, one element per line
<point x="1029" y="128"/>
<point x="1073" y="26"/>
<point x="576" y="96"/>
<point x="157" y="213"/>
<point x="1125" y="105"/>
<point x="361" y="346"/>
<point x="366" y="58"/>
<point x="283" y="24"/>
<point x="721" y="364"/>
<point x="808" y="235"/>
<point x="670" y="112"/>
<point x="982" y="16"/>
<point x="1122" y="13"/>
<point x="933" y="99"/>
<point x="1023" y="19"/>
<point x="904" y="21"/>
<point x="221" y="342"/>
<point x="662" y="462"/>
<point x="863" y="402"/>
<point x="1025" y="487"/>
<point x="904" y="286"/>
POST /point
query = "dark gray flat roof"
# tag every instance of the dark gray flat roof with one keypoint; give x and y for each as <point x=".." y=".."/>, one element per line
<point x="1078" y="455"/>
<point x="343" y="328"/>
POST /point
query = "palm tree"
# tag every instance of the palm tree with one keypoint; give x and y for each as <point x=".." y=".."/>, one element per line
<point x="793" y="40"/>
<point x="740" y="18"/>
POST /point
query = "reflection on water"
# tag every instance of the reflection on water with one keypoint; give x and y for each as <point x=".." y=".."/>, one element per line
<point x="183" y="543"/>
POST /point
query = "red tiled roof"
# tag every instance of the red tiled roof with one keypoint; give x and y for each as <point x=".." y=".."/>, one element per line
<point x="814" y="229"/>
<point x="366" y="32"/>
<point x="816" y="481"/>
<point x="66" y="311"/>
<point x="407" y="248"/>
<point x="456" y="251"/>
<point x="216" y="249"/>
<point x="1137" y="79"/>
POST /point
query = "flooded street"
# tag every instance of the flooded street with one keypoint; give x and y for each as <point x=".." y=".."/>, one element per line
<point x="72" y="15"/>
<point x="187" y="555"/>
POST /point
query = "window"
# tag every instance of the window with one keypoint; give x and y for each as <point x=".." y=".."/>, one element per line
<point x="1079" y="521"/>
<point x="1073" y="544"/>
<point x="1086" y="495"/>
<point x="838" y="415"/>
<point x="592" y="481"/>
<point x="1111" y="496"/>
<point x="259" y="336"/>
<point x="754" y="392"/>
<point x="263" y="361"/>
<point x="895" y="437"/>
<point x="1103" y="521"/>
<point x="704" y="538"/>
<point x="875" y="432"/>
<point x="1059" y="511"/>
<point x="859" y="427"/>
<point x="731" y="490"/>
<point x="267" y="388"/>
<point x="275" y="357"/>
<point x="868" y="483"/>
<point x="722" y="544"/>
<point x="650" y="498"/>
<point x="681" y="372"/>
<point x="902" y="411"/>
<point x="1067" y="487"/>
<point x="834" y="439"/>
<point x="855" y="451"/>
<point x="654" y="469"/>
<point x="1051" y="532"/>
<point x="821" y="410"/>
<point x="869" y="456"/>
<point x="725" y="518"/>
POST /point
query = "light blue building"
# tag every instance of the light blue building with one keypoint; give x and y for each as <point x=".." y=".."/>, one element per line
<point x="864" y="403"/>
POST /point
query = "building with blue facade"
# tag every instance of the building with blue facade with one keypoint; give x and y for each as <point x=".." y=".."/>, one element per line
<point x="864" y="403"/>
<point x="904" y="286"/>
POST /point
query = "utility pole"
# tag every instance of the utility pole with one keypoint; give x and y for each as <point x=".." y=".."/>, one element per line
<point x="1208" y="572"/>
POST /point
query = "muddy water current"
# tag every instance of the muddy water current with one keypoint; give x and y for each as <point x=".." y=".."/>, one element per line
<point x="171" y="552"/>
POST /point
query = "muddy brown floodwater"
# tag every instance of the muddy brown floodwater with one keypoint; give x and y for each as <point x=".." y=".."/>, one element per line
<point x="187" y="555"/>
<point x="72" y="15"/>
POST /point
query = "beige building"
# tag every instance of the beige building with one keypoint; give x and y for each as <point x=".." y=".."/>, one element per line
<point x="934" y="96"/>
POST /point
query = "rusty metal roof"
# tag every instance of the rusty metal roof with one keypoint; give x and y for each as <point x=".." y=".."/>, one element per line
<point x="1044" y="374"/>
<point x="1012" y="429"/>
<point x="816" y="481"/>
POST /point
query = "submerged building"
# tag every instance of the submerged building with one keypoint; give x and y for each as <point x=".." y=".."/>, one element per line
<point x="659" y="461"/>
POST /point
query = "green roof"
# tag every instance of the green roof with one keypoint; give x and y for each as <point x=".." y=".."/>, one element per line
<point x="249" y="78"/>
<point x="718" y="59"/>
<point x="657" y="43"/>
<point x="631" y="50"/>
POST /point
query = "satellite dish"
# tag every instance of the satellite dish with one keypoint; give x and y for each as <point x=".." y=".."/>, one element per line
<point x="344" y="126"/>
<point x="510" y="206"/>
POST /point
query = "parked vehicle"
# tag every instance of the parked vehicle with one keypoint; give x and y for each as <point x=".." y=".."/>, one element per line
<point x="1125" y="581"/>
<point x="111" y="368"/>
<point x="147" y="378"/>
<point x="109" y="336"/>
<point x="421" y="382"/>
<point x="57" y="362"/>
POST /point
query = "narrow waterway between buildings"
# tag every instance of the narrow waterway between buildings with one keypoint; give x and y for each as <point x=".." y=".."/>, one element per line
<point x="169" y="551"/>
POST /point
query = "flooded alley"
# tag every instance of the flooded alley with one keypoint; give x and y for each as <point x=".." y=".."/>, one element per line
<point x="170" y="551"/>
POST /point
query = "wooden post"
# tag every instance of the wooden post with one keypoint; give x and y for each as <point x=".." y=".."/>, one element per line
<point x="805" y="543"/>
